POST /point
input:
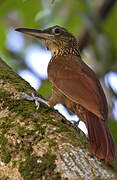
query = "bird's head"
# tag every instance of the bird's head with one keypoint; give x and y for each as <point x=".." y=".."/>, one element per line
<point x="56" y="39"/>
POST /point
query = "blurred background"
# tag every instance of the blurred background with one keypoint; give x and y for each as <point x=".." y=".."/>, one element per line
<point x="94" y="23"/>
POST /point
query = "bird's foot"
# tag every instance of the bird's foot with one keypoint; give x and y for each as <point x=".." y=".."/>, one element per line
<point x="76" y="122"/>
<point x="32" y="98"/>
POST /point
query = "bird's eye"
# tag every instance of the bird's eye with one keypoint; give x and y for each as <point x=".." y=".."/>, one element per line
<point x="57" y="31"/>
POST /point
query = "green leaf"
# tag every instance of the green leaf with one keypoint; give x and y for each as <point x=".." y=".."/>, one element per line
<point x="113" y="128"/>
<point x="45" y="89"/>
<point x="109" y="26"/>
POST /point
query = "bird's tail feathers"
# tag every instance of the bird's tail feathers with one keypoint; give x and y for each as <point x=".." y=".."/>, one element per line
<point x="101" y="140"/>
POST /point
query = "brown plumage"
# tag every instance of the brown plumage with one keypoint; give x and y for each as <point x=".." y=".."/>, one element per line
<point x="76" y="86"/>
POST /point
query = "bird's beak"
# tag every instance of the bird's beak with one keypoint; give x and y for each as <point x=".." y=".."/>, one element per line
<point x="35" y="32"/>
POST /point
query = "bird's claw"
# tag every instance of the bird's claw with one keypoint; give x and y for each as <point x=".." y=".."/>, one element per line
<point x="25" y="96"/>
<point x="76" y="122"/>
<point x="32" y="98"/>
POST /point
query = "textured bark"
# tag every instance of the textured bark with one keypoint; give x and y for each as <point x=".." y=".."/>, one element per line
<point x="40" y="144"/>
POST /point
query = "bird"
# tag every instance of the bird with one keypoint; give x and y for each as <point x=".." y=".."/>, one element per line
<point x="76" y="86"/>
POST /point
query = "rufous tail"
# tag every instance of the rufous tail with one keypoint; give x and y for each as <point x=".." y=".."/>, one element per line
<point x="101" y="140"/>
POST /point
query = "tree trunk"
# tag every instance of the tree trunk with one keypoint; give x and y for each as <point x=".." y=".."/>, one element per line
<point x="40" y="144"/>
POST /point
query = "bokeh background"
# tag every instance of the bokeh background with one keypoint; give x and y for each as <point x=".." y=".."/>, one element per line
<point x="94" y="23"/>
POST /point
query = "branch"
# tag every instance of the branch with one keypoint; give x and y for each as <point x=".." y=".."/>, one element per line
<point x="40" y="144"/>
<point x="97" y="17"/>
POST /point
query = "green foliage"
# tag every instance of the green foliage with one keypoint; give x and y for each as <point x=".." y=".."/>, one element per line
<point x="45" y="89"/>
<point x="110" y="26"/>
<point x="52" y="1"/>
<point x="113" y="128"/>
<point x="23" y="12"/>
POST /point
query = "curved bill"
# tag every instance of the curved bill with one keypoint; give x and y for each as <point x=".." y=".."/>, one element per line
<point x="35" y="32"/>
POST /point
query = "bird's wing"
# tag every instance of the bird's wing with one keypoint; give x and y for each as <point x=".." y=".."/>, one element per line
<point x="70" y="75"/>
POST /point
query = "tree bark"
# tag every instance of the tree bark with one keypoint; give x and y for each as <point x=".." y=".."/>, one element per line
<point x="40" y="144"/>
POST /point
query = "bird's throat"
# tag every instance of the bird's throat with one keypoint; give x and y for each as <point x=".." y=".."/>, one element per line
<point x="61" y="50"/>
<point x="64" y="51"/>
